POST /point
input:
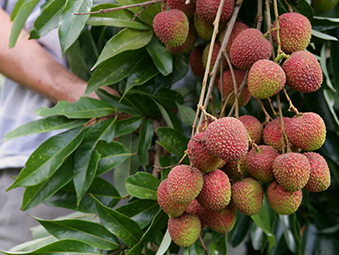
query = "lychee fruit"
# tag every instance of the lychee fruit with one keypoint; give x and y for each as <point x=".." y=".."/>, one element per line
<point x="282" y="201"/>
<point x="265" y="79"/>
<point x="171" y="27"/>
<point x="199" y="155"/>
<point x="185" y="229"/>
<point x="303" y="72"/>
<point x="196" y="60"/>
<point x="253" y="127"/>
<point x="215" y="52"/>
<point x="249" y="47"/>
<point x="184" y="183"/>
<point x="226" y="138"/>
<point x="187" y="45"/>
<point x="307" y="131"/>
<point x="236" y="169"/>
<point x="207" y="10"/>
<point x="320" y="176"/>
<point x="237" y="29"/>
<point x="247" y="196"/>
<point x="272" y="133"/>
<point x="216" y="191"/>
<point x="291" y="170"/>
<point x="187" y="8"/>
<point x="173" y="209"/>
<point x="259" y="162"/>
<point x="204" y="30"/>
<point x="295" y="32"/>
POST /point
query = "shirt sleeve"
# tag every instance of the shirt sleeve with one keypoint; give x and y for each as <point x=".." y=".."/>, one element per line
<point x="2" y="3"/>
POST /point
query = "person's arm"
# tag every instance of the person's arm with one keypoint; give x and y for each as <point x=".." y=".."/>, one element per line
<point x="31" y="66"/>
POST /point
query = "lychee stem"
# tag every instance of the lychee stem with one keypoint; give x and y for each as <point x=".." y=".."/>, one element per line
<point x="280" y="57"/>
<point x="277" y="26"/>
<point x="290" y="9"/>
<point x="292" y="107"/>
<point x="259" y="16"/>
<point x="272" y="108"/>
<point x="157" y="153"/>
<point x="236" y="98"/>
<point x="206" y="113"/>
<point x="267" y="116"/>
<point x="269" y="25"/>
<point x="203" y="245"/>
<point x="284" y="140"/>
<point x="244" y="81"/>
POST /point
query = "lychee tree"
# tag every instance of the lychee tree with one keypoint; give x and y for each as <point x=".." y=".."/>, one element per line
<point x="169" y="95"/>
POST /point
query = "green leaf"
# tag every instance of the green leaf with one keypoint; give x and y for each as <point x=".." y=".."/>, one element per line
<point x="240" y="229"/>
<point x="112" y="155"/>
<point x="187" y="115"/>
<point x="62" y="247"/>
<point x="145" y="140"/>
<point x="142" y="102"/>
<point x="120" y="225"/>
<point x="35" y="195"/>
<point x="48" y="157"/>
<point x="219" y="246"/>
<point x="165" y="243"/>
<point x="48" y="19"/>
<point x="309" y="239"/>
<point x="70" y="25"/>
<point x="113" y="70"/>
<point x="161" y="57"/>
<point x="126" y="39"/>
<point x="126" y="126"/>
<point x="257" y="237"/>
<point x="44" y="125"/>
<point x="323" y="65"/>
<point x="88" y="232"/>
<point x="16" y="8"/>
<point x="34" y="244"/>
<point x="168" y="97"/>
<point x="326" y="246"/>
<point x="142" y="185"/>
<point x="289" y="238"/>
<point x="323" y="36"/>
<point x="84" y="108"/>
<point x="165" y="114"/>
<point x="24" y="9"/>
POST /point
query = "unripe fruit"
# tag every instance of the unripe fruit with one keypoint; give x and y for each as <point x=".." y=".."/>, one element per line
<point x="295" y="32"/>
<point x="320" y="176"/>
<point x="226" y="138"/>
<point x="282" y="201"/>
<point x="187" y="45"/>
<point x="207" y="10"/>
<point x="247" y="196"/>
<point x="265" y="79"/>
<point x="171" y="27"/>
<point x="185" y="229"/>
<point x="215" y="52"/>
<point x="184" y="183"/>
<point x="292" y="171"/>
<point x="216" y="191"/>
<point x="253" y="127"/>
<point x="181" y="5"/>
<point x="303" y="72"/>
<point x="237" y="29"/>
<point x="173" y="209"/>
<point x="307" y="131"/>
<point x="249" y="47"/>
<point x="272" y="133"/>
<point x="204" y="30"/>
<point x="196" y="60"/>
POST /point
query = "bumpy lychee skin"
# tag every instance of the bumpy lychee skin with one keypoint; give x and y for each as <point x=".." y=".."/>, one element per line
<point x="215" y="52"/>
<point x="307" y="131"/>
<point x="292" y="171"/>
<point x="188" y="9"/>
<point x="237" y="29"/>
<point x="196" y="60"/>
<point x="204" y="30"/>
<point x="216" y="191"/>
<point x="295" y="32"/>
<point x="236" y="169"/>
<point x="207" y="10"/>
<point x="184" y="183"/>
<point x="247" y="196"/>
<point x="228" y="87"/>
<point x="259" y="162"/>
<point x="226" y="138"/>
<point x="187" y="45"/>
<point x="173" y="209"/>
<point x="171" y="27"/>
<point x="220" y="221"/>
<point x="272" y="133"/>
<point x="249" y="47"/>
<point x="185" y="229"/>
<point x="265" y="79"/>
<point x="320" y="176"/>
<point x="253" y="127"/>
<point x="199" y="155"/>
<point x="303" y="72"/>
<point x="282" y="201"/>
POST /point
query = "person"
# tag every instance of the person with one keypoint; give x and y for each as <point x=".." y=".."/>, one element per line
<point x="36" y="76"/>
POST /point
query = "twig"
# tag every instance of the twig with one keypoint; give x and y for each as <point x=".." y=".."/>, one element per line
<point x="242" y="86"/>
<point x="272" y="108"/>
<point x="269" y="24"/>
<point x="203" y="111"/>
<point x="283" y="134"/>
<point x="167" y="167"/>
<point x="292" y="107"/>
<point x="259" y="14"/>
<point x="203" y="245"/>
<point x="157" y="153"/>
<point x="139" y="12"/>
<point x="276" y="14"/>
<point x="290" y="9"/>
<point x="267" y="116"/>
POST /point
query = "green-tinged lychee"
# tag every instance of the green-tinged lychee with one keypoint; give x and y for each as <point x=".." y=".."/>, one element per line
<point x="249" y="47"/>
<point x="265" y="79"/>
<point x="199" y="155"/>
<point x="253" y="127"/>
<point x="216" y="191"/>
<point x="259" y="162"/>
<point x="173" y="209"/>
<point x="207" y="10"/>
<point x="282" y="201"/>
<point x="228" y="87"/>
<point x="237" y="29"/>
<point x="320" y="176"/>
<point x="226" y="138"/>
<point x="185" y="229"/>
<point x="324" y="5"/>
<point x="272" y="133"/>
<point x="236" y="169"/>
<point x="187" y="8"/>
<point x="215" y="52"/>
<point x="196" y="60"/>
<point x="306" y="131"/>
<point x="187" y="45"/>
<point x="295" y="32"/>
<point x="220" y="221"/>
<point x="204" y="30"/>
<point x="291" y="170"/>
<point x="184" y="183"/>
<point x="171" y="27"/>
<point x="247" y="196"/>
<point x="303" y="72"/>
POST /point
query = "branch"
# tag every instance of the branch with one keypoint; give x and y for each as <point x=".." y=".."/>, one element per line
<point x="259" y="15"/>
<point x="235" y="87"/>
<point x="269" y="24"/>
